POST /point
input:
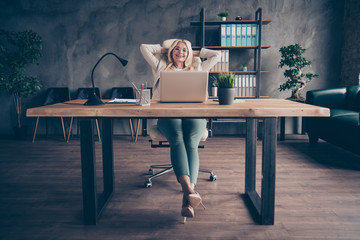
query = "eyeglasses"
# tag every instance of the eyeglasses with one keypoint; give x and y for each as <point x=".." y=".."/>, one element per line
<point x="179" y="49"/>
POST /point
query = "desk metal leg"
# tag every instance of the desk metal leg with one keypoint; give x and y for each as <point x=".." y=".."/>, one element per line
<point x="144" y="127"/>
<point x="282" y="128"/>
<point x="92" y="205"/>
<point x="264" y="205"/>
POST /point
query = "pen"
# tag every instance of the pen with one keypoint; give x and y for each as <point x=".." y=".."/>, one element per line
<point x="137" y="90"/>
<point x="141" y="93"/>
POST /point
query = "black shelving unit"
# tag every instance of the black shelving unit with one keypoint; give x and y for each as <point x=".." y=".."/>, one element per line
<point x="257" y="49"/>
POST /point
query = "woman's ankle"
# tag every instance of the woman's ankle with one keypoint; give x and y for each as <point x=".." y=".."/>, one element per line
<point x="186" y="185"/>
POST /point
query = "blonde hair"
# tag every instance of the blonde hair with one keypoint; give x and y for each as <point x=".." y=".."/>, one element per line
<point x="189" y="59"/>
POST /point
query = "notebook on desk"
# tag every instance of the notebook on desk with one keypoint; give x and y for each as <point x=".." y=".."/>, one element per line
<point x="183" y="86"/>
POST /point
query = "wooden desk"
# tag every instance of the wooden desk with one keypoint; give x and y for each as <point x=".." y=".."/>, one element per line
<point x="252" y="109"/>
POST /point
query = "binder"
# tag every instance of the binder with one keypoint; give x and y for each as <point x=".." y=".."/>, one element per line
<point x="238" y="34"/>
<point x="233" y="34"/>
<point x="254" y="35"/>
<point x="236" y="85"/>
<point x="226" y="60"/>
<point x="247" y="84"/>
<point x="254" y="84"/>
<point x="243" y="85"/>
<point x="222" y="66"/>
<point x="251" y="86"/>
<point x="248" y="35"/>
<point x="243" y="35"/>
<point x="222" y="35"/>
<point x="228" y="35"/>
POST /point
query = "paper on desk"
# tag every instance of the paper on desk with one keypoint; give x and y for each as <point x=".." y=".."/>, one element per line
<point x="122" y="100"/>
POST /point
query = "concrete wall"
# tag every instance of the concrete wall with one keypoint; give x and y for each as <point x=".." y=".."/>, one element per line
<point x="77" y="33"/>
<point x="350" y="73"/>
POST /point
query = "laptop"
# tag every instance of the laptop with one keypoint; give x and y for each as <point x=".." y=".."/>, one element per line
<point x="183" y="86"/>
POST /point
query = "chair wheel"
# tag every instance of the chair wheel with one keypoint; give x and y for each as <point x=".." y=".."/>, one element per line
<point x="213" y="177"/>
<point x="148" y="184"/>
<point x="151" y="171"/>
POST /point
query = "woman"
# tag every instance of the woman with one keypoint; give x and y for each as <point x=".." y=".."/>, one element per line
<point x="183" y="134"/>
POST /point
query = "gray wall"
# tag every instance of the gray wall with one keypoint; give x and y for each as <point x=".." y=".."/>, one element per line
<point x="350" y="73"/>
<point x="77" y="33"/>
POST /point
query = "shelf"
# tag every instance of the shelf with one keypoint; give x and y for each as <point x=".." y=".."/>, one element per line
<point x="232" y="47"/>
<point x="198" y="23"/>
<point x="244" y="72"/>
<point x="205" y="24"/>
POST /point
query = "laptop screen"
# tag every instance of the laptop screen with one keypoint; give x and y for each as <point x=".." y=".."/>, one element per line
<point x="183" y="86"/>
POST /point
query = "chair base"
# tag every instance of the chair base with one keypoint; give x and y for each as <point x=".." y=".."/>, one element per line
<point x="168" y="168"/>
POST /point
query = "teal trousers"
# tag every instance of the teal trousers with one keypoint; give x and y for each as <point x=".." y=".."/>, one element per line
<point x="184" y="136"/>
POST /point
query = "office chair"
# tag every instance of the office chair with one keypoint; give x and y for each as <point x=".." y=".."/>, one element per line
<point x="126" y="93"/>
<point x="83" y="93"/>
<point x="161" y="141"/>
<point x="54" y="95"/>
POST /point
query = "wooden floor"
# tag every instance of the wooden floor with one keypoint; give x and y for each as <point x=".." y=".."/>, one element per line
<point x="317" y="193"/>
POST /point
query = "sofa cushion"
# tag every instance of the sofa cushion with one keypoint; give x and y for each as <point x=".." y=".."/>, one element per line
<point x="343" y="116"/>
<point x="334" y="112"/>
<point x="347" y="119"/>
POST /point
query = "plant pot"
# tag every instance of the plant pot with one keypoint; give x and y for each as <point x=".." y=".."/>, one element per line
<point x="223" y="18"/>
<point x="245" y="69"/>
<point x="20" y="133"/>
<point x="226" y="96"/>
<point x="214" y="91"/>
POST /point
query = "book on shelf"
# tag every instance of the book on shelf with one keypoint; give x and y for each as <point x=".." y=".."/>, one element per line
<point x="254" y="34"/>
<point x="228" y="35"/>
<point x="223" y="64"/>
<point x="245" y="85"/>
<point x="238" y="35"/>
<point x="222" y="35"/>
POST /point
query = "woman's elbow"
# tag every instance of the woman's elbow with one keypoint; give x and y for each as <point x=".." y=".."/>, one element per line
<point x="218" y="55"/>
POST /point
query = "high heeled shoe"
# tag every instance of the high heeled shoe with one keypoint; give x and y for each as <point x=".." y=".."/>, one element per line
<point x="187" y="211"/>
<point x="195" y="200"/>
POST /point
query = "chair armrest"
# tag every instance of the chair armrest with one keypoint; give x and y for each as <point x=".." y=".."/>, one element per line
<point x="330" y="97"/>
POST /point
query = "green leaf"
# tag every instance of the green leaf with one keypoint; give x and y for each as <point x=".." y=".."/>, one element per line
<point x="226" y="80"/>
<point x="292" y="58"/>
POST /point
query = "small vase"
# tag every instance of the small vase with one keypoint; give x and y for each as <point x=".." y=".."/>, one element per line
<point x="226" y="96"/>
<point x="214" y="91"/>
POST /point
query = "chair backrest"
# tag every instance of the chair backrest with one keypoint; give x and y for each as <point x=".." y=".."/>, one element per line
<point x="57" y="95"/>
<point x="83" y="93"/>
<point x="122" y="92"/>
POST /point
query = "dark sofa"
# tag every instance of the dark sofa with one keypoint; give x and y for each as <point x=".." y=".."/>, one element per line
<point x="342" y="128"/>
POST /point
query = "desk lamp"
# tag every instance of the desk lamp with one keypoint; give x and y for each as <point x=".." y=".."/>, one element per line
<point x="93" y="99"/>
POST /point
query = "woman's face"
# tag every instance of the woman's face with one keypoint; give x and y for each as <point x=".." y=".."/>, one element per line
<point x="180" y="53"/>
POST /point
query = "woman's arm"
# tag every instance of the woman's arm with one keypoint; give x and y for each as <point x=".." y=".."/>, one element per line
<point x="149" y="51"/>
<point x="212" y="57"/>
<point x="196" y="53"/>
<point x="164" y="50"/>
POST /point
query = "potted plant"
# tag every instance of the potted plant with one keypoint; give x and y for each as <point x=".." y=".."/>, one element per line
<point x="223" y="15"/>
<point x="17" y="51"/>
<point x="226" y="91"/>
<point x="292" y="57"/>
<point x="244" y="67"/>
<point x="214" y="85"/>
